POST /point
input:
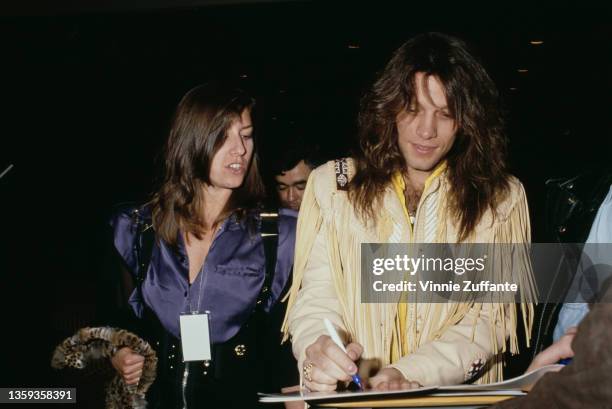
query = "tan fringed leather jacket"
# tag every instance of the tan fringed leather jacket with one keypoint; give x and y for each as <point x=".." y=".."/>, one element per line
<point x="448" y="343"/>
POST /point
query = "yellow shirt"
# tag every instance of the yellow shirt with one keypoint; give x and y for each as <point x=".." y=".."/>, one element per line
<point x="399" y="185"/>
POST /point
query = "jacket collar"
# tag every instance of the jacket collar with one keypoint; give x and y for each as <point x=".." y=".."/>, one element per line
<point x="394" y="202"/>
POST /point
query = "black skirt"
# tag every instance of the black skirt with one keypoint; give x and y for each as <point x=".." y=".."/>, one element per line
<point x="241" y="367"/>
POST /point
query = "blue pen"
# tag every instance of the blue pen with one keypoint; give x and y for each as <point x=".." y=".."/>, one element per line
<point x="565" y="361"/>
<point x="334" y="336"/>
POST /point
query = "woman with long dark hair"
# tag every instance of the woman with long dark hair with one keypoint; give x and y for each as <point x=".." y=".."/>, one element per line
<point x="211" y="254"/>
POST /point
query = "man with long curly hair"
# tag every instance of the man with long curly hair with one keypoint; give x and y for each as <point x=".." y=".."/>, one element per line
<point x="430" y="169"/>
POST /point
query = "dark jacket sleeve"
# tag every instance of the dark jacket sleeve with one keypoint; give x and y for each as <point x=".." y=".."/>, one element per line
<point x="585" y="382"/>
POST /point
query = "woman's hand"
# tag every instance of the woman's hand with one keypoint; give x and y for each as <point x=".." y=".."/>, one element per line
<point x="390" y="379"/>
<point x="561" y="349"/>
<point x="129" y="365"/>
<point x="326" y="364"/>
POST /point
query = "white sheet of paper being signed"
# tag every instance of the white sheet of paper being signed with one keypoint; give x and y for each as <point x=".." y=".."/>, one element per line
<point x="519" y="383"/>
<point x="335" y="395"/>
<point x="512" y="387"/>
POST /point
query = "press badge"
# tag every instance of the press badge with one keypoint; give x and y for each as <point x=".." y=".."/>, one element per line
<point x="195" y="337"/>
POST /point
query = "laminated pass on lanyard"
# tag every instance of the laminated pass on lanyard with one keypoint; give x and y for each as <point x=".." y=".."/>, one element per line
<point x="195" y="329"/>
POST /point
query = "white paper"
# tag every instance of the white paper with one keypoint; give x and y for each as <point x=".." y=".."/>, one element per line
<point x="510" y="387"/>
<point x="518" y="383"/>
<point x="305" y="395"/>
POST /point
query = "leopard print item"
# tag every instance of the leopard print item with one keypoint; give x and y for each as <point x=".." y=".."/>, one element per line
<point x="102" y="342"/>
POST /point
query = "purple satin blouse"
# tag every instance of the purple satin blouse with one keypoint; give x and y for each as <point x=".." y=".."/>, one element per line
<point x="228" y="284"/>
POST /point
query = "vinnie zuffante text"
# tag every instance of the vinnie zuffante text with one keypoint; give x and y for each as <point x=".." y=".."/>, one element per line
<point x="408" y="266"/>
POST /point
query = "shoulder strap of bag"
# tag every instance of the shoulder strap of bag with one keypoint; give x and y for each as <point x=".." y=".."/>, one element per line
<point x="143" y="247"/>
<point x="269" y="236"/>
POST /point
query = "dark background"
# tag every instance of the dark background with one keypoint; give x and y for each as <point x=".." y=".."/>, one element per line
<point x="88" y="91"/>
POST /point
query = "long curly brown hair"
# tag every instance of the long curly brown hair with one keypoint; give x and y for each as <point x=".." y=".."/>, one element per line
<point x="198" y="130"/>
<point x="476" y="163"/>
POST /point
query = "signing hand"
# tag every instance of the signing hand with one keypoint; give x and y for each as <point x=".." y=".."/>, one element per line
<point x="326" y="364"/>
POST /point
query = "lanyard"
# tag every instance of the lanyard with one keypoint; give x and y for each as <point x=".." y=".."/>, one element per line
<point x="201" y="278"/>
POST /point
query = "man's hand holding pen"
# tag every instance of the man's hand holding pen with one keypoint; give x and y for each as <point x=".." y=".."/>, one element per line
<point x="328" y="361"/>
<point x="326" y="364"/>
